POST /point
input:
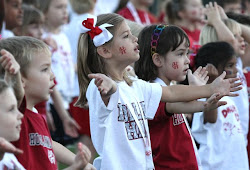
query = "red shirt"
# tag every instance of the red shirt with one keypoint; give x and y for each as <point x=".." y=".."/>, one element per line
<point x="247" y="75"/>
<point x="35" y="141"/>
<point x="125" y="12"/>
<point x="171" y="143"/>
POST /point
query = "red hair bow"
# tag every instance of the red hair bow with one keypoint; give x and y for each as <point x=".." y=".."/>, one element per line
<point x="89" y="23"/>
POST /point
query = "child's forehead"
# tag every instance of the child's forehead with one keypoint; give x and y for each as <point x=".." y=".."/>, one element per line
<point x="122" y="28"/>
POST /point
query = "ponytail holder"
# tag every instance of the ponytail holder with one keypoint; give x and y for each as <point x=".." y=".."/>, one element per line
<point x="99" y="34"/>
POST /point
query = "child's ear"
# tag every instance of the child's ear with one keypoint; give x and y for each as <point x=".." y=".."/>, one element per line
<point x="104" y="51"/>
<point x="24" y="81"/>
<point x="157" y="59"/>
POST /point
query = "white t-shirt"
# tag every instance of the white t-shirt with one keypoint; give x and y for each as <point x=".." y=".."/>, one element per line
<point x="9" y="162"/>
<point x="63" y="67"/>
<point x="114" y="131"/>
<point x="242" y="101"/>
<point x="222" y="144"/>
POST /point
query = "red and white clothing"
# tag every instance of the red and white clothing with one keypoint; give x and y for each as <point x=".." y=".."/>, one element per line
<point x="141" y="17"/>
<point x="222" y="144"/>
<point x="63" y="67"/>
<point x="171" y="141"/>
<point x="35" y="141"/>
<point x="247" y="75"/>
<point x="119" y="131"/>
<point x="9" y="162"/>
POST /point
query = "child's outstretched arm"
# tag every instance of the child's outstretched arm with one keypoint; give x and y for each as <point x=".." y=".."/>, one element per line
<point x="185" y="93"/>
<point x="105" y="85"/>
<point x="12" y="74"/>
<point x="195" y="106"/>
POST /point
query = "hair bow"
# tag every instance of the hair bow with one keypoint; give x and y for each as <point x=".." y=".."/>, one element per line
<point x="99" y="34"/>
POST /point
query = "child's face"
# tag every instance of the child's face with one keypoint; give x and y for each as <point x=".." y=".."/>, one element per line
<point x="125" y="47"/>
<point x="194" y="10"/>
<point x="246" y="57"/>
<point x="230" y="68"/>
<point x="239" y="44"/>
<point x="38" y="82"/>
<point x="175" y="64"/>
<point x="10" y="117"/>
<point x="13" y="13"/>
<point x="57" y="13"/>
<point x="34" y="30"/>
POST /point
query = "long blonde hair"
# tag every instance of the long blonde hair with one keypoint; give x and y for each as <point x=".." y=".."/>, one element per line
<point x="209" y="34"/>
<point x="88" y="60"/>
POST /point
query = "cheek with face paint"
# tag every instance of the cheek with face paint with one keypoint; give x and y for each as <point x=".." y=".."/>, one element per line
<point x="122" y="50"/>
<point x="175" y="65"/>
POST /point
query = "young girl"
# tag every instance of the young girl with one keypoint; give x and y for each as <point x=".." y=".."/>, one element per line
<point x="187" y="14"/>
<point x="219" y="132"/>
<point x="10" y="122"/>
<point x="221" y="28"/>
<point x="119" y="107"/>
<point x="171" y="63"/>
<point x="56" y="15"/>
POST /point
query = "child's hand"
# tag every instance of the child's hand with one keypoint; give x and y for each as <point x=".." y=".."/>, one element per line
<point x="222" y="12"/>
<point x="105" y="85"/>
<point x="212" y="13"/>
<point x="213" y="102"/>
<point x="199" y="77"/>
<point x="8" y="62"/>
<point x="6" y="146"/>
<point x="82" y="157"/>
<point x="225" y="86"/>
<point x="71" y="127"/>
<point x="212" y="71"/>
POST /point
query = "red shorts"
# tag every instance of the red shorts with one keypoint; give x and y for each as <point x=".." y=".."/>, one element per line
<point x="81" y="116"/>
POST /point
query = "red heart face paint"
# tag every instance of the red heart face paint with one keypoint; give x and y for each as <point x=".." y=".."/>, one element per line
<point x="175" y="65"/>
<point x="122" y="50"/>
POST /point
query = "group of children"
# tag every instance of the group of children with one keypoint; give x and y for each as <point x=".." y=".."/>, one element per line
<point x="136" y="122"/>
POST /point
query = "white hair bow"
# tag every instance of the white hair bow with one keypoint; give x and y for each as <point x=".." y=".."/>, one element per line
<point x="99" y="34"/>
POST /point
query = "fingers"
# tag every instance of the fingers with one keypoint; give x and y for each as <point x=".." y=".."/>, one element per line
<point x="233" y="94"/>
<point x="235" y="89"/>
<point x="223" y="75"/>
<point x="221" y="103"/>
<point x="232" y="80"/>
<point x="197" y="71"/>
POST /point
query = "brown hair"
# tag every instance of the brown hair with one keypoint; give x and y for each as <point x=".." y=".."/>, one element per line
<point x="23" y="48"/>
<point x="31" y="15"/>
<point x="82" y="6"/>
